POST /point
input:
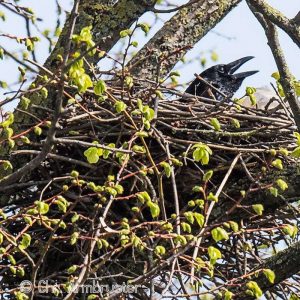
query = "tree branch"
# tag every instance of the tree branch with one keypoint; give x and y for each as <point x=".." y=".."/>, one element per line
<point x="284" y="264"/>
<point x="275" y="16"/>
<point x="178" y="35"/>
<point x="286" y="78"/>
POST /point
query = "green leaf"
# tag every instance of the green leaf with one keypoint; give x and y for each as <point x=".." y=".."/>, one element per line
<point x="143" y="197"/>
<point x="107" y="152"/>
<point x="75" y="218"/>
<point x="13" y="270"/>
<point x="297" y="136"/>
<point x="92" y="155"/>
<point x="258" y="208"/>
<point x="208" y="175"/>
<point x="273" y="191"/>
<point x="120" y="106"/>
<point x="250" y="90"/>
<point x="42" y="207"/>
<point x="20" y="272"/>
<point x="7" y="165"/>
<point x="280" y="89"/>
<point x="296" y="152"/>
<point x="197" y="189"/>
<point x="276" y="76"/>
<point x="26" y="240"/>
<point x="175" y="73"/>
<point x="228" y="295"/>
<point x="74" y="238"/>
<point x="199" y="218"/>
<point x="212" y="197"/>
<point x="11" y="259"/>
<point x="219" y="234"/>
<point x="29" y="44"/>
<point x="11" y="143"/>
<point x="215" y="123"/>
<point x="180" y="239"/>
<point x="189" y="216"/>
<point x="21" y="296"/>
<point x="277" y="163"/>
<point x="3" y="84"/>
<point x="297" y="87"/>
<point x="9" y="120"/>
<point x="148" y="113"/>
<point x="72" y="269"/>
<point x="290" y="230"/>
<point x="203" y="61"/>
<point x="8" y="132"/>
<point x="214" y="56"/>
<point x="124" y="239"/>
<point x="160" y="250"/>
<point x="145" y="27"/>
<point x="235" y="123"/>
<point x="252" y="99"/>
<point x="140" y="104"/>
<point x="269" y="274"/>
<point x="159" y="94"/>
<point x="38" y="130"/>
<point x="44" y="92"/>
<point x="138" y="149"/>
<point x="110" y="190"/>
<point x="135" y="44"/>
<point x="125" y="33"/>
<point x="74" y="174"/>
<point x="201" y="153"/>
<point x="234" y="226"/>
<point x="253" y="289"/>
<point x="186" y="227"/>
<point x="100" y="87"/>
<point x="282" y="184"/>
<point x="154" y="209"/>
<point x="200" y="203"/>
<point x="25" y="102"/>
<point x="284" y="151"/>
<point x="105" y="243"/>
<point x="129" y="81"/>
<point x="84" y="82"/>
<point x="62" y="204"/>
<point x="214" y="254"/>
<point x="142" y="134"/>
<point x="146" y="124"/>
<point x="119" y="188"/>
<point x="168" y="227"/>
<point x="167" y="168"/>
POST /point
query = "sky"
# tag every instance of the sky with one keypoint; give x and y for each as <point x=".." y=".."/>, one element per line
<point x="238" y="35"/>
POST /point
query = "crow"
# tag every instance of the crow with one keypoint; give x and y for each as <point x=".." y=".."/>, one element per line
<point x="221" y="77"/>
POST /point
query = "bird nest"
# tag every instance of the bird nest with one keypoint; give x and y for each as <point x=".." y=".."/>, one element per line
<point x="130" y="170"/>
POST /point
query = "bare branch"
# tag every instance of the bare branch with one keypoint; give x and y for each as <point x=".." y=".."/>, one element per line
<point x="286" y="78"/>
<point x="178" y="35"/>
<point x="291" y="27"/>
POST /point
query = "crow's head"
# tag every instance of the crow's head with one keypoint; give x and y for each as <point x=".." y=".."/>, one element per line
<point x="222" y="77"/>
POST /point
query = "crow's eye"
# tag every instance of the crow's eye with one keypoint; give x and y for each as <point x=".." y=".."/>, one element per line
<point x="222" y="69"/>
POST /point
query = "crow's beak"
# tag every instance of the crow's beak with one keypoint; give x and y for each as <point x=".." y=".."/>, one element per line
<point x="244" y="74"/>
<point x="233" y="66"/>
